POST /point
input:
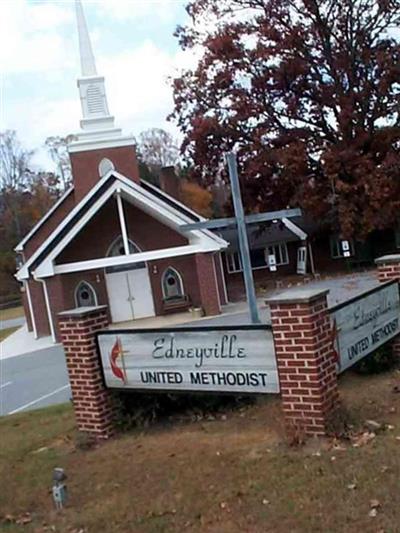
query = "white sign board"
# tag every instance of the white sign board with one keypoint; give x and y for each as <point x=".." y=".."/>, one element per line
<point x="366" y="323"/>
<point x="238" y="360"/>
<point x="272" y="262"/>
<point x="346" y="248"/>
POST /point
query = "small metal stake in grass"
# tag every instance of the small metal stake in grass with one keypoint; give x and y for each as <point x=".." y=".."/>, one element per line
<point x="59" y="488"/>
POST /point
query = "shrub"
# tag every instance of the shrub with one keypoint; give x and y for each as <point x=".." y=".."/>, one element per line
<point x="381" y="360"/>
<point x="141" y="409"/>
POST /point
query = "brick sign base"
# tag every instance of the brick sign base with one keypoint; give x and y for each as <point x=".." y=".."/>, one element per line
<point x="92" y="401"/>
<point x="389" y="270"/>
<point x="306" y="359"/>
<point x="304" y="348"/>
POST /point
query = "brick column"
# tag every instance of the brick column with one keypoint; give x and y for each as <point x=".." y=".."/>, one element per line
<point x="389" y="270"/>
<point x="207" y="281"/>
<point x="92" y="401"/>
<point x="305" y="357"/>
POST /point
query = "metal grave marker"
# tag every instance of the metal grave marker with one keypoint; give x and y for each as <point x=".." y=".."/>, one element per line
<point x="237" y="359"/>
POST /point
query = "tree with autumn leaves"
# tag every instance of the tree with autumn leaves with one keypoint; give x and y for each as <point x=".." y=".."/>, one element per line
<point x="308" y="93"/>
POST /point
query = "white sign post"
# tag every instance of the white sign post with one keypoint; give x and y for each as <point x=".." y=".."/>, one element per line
<point x="232" y="359"/>
<point x="366" y="323"/>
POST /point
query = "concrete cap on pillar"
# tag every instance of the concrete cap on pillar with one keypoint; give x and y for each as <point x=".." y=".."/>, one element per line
<point x="393" y="258"/>
<point x="297" y="296"/>
<point x="82" y="311"/>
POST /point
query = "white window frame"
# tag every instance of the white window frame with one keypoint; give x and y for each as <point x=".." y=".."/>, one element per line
<point x="84" y="282"/>
<point x="234" y="261"/>
<point x="180" y="280"/>
<point x="283" y="253"/>
<point x="233" y="266"/>
<point x="335" y="245"/>
<point x="118" y="240"/>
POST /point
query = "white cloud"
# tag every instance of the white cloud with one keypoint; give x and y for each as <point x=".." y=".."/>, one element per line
<point x="123" y="10"/>
<point x="138" y="86"/>
<point x="44" y="47"/>
<point x="30" y="37"/>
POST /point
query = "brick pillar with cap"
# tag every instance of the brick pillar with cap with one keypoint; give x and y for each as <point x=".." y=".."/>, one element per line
<point x="92" y="402"/>
<point x="306" y="359"/>
<point x="389" y="270"/>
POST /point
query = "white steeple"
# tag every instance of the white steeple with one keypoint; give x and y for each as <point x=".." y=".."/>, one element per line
<point x="97" y="125"/>
<point x="88" y="65"/>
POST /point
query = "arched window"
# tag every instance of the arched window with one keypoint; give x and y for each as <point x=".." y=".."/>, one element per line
<point x="117" y="248"/>
<point x="172" y="285"/>
<point x="85" y="295"/>
<point x="105" y="166"/>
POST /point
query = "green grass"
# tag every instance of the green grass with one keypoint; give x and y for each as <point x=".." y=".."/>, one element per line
<point x="4" y="333"/>
<point x="13" y="312"/>
<point x="226" y="476"/>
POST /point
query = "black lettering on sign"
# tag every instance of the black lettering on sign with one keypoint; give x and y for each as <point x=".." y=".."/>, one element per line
<point x="230" y="379"/>
<point x="226" y="348"/>
<point x="172" y="378"/>
<point x="358" y="348"/>
<point x="386" y="331"/>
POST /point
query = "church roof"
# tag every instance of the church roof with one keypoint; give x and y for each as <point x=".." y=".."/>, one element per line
<point x="156" y="203"/>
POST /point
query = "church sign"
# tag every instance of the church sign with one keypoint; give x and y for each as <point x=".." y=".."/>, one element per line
<point x="365" y="323"/>
<point x="238" y="359"/>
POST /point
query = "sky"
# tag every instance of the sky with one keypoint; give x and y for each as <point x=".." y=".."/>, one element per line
<point x="134" y="48"/>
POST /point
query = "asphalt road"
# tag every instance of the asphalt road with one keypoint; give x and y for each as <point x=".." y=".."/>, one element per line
<point x="33" y="380"/>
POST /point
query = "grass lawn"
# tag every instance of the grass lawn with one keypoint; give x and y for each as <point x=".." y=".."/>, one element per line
<point x="4" y="333"/>
<point x="13" y="312"/>
<point x="231" y="474"/>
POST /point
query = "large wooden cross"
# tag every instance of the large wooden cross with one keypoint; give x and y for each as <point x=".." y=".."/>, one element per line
<point x="240" y="221"/>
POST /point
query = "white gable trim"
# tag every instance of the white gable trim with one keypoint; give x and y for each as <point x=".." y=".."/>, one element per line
<point x="122" y="260"/>
<point x="295" y="229"/>
<point x="23" y="272"/>
<point x="139" y="197"/>
<point x="170" y="212"/>
<point x="39" y="224"/>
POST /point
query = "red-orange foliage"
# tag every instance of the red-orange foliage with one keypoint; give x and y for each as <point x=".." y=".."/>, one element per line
<point x="197" y="198"/>
<point x="308" y="91"/>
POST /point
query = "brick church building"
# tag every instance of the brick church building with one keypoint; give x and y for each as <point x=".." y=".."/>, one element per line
<point x="112" y="238"/>
<point x="117" y="240"/>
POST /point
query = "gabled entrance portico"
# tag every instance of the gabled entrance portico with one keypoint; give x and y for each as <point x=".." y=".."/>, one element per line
<point x="132" y="250"/>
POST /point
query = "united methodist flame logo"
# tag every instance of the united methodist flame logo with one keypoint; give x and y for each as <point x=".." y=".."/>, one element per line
<point x="335" y="347"/>
<point x="116" y="355"/>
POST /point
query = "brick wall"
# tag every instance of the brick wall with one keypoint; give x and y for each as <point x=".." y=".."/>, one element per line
<point x="94" y="410"/>
<point x="146" y="232"/>
<point x="388" y="269"/>
<point x="27" y="311"/>
<point x="39" y="308"/>
<point x="262" y="276"/>
<point x="207" y="284"/>
<point x="221" y="278"/>
<point x="85" y="167"/>
<point x="305" y="358"/>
